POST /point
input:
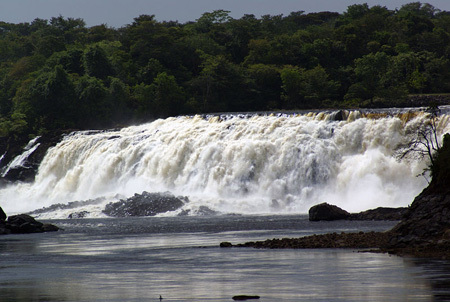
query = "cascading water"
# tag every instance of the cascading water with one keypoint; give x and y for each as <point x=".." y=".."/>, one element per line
<point x="19" y="161"/>
<point x="234" y="164"/>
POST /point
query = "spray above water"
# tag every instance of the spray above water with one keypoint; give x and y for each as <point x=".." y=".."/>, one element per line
<point x="235" y="164"/>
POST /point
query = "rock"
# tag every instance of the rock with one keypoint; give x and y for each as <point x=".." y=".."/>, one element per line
<point x="339" y="115"/>
<point x="343" y="240"/>
<point x="78" y="215"/>
<point x="201" y="211"/>
<point x="24" y="224"/>
<point x="424" y="229"/>
<point x="245" y="297"/>
<point x="225" y="244"/>
<point x="428" y="219"/>
<point x="3" y="229"/>
<point x="145" y="204"/>
<point x="380" y="214"/>
<point x="325" y="211"/>
<point x="69" y="206"/>
<point x="2" y="215"/>
<point x="47" y="227"/>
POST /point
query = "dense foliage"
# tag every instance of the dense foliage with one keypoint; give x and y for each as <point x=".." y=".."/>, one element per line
<point x="60" y="74"/>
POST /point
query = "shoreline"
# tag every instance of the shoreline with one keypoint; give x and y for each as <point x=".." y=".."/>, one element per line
<point x="374" y="242"/>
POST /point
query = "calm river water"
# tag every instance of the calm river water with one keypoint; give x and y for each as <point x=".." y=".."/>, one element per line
<point x="139" y="259"/>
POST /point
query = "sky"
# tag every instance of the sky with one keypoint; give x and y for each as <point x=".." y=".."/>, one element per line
<point x="117" y="13"/>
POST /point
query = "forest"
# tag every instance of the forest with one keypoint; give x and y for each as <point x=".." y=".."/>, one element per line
<point x="61" y="74"/>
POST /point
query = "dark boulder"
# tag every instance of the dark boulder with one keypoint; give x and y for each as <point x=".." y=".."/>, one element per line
<point x="328" y="212"/>
<point x="24" y="224"/>
<point x="145" y="204"/>
<point x="225" y="244"/>
<point x="339" y="115"/>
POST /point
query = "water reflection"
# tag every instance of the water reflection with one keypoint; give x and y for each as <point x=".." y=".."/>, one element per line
<point x="436" y="273"/>
<point x="189" y="266"/>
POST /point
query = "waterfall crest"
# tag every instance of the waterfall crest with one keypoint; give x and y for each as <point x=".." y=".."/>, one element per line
<point x="235" y="164"/>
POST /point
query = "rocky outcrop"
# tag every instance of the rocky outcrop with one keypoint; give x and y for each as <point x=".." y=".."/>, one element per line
<point x="380" y="213"/>
<point x="334" y="240"/>
<point x="145" y="204"/>
<point x="425" y="230"/>
<point x="24" y="224"/>
<point x="328" y="212"/>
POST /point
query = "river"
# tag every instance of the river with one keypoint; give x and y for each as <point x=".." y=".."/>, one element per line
<point x="179" y="258"/>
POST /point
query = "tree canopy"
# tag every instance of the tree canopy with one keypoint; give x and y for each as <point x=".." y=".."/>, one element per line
<point x="58" y="73"/>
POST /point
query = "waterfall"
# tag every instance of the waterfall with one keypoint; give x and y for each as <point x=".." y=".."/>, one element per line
<point x="20" y="160"/>
<point x="236" y="164"/>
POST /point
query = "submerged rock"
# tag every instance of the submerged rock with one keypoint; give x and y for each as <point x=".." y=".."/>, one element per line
<point x="145" y="204"/>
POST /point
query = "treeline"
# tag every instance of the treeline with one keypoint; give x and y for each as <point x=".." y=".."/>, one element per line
<point x="60" y="74"/>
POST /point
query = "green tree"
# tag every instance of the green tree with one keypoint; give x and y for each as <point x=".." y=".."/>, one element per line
<point x="168" y="97"/>
<point x="222" y="85"/>
<point x="48" y="102"/>
<point x="369" y="71"/>
<point x="96" y="63"/>
<point x="92" y="107"/>
<point x="292" y="95"/>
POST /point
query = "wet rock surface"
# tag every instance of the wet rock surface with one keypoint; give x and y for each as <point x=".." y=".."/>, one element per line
<point x="145" y="204"/>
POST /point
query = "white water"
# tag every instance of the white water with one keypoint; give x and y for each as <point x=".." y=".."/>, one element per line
<point x="19" y="161"/>
<point x="261" y="164"/>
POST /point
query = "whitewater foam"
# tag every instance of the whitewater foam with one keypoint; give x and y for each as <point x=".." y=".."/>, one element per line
<point x="236" y="164"/>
